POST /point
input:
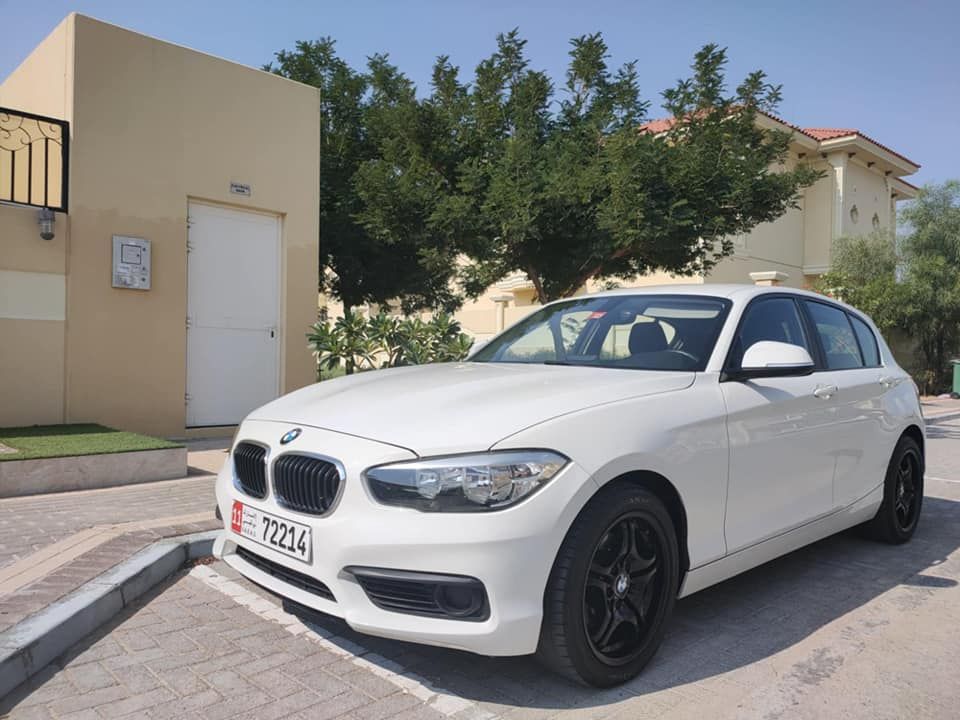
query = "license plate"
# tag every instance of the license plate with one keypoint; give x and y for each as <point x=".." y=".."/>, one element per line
<point x="278" y="533"/>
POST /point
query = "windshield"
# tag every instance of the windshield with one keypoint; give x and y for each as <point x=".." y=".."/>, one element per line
<point x="641" y="332"/>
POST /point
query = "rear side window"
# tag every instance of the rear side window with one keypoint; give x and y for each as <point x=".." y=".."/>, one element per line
<point x="839" y="343"/>
<point x="868" y="343"/>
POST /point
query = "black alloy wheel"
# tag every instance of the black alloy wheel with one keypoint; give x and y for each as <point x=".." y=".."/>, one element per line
<point x="906" y="500"/>
<point x="898" y="516"/>
<point x="612" y="588"/>
<point x="622" y="590"/>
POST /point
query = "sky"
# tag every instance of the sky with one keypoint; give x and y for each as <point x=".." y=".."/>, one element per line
<point x="887" y="68"/>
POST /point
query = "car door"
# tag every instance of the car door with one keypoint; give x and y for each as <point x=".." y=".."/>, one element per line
<point x="852" y="366"/>
<point x="780" y="432"/>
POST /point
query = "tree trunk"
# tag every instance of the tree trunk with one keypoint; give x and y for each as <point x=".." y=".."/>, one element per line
<point x="537" y="285"/>
<point x="941" y="368"/>
<point x="348" y="366"/>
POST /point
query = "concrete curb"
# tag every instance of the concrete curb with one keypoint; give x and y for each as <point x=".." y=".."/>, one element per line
<point x="32" y="644"/>
<point x="42" y="476"/>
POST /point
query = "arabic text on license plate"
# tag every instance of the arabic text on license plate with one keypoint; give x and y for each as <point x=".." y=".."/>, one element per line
<point x="282" y="535"/>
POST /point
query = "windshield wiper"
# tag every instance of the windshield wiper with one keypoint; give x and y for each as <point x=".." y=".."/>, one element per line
<point x="557" y="362"/>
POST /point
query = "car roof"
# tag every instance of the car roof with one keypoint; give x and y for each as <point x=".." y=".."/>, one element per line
<point x="732" y="291"/>
<point x="740" y="293"/>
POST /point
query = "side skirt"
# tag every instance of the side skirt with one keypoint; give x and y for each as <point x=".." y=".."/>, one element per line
<point x="750" y="557"/>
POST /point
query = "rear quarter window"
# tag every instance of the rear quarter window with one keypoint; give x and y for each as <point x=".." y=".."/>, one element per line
<point x="868" y="342"/>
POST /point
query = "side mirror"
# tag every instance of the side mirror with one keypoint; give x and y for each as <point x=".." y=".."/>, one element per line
<point x="772" y="359"/>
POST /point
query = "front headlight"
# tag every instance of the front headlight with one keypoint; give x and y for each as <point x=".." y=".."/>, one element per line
<point x="464" y="483"/>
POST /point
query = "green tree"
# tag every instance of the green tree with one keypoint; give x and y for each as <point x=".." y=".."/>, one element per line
<point x="932" y="272"/>
<point x="361" y="114"/>
<point x="916" y="291"/>
<point x="863" y="273"/>
<point x="564" y="186"/>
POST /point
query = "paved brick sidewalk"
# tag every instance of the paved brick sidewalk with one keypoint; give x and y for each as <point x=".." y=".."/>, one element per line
<point x="28" y="524"/>
<point x="51" y="544"/>
<point x="34" y="596"/>
<point x="192" y="652"/>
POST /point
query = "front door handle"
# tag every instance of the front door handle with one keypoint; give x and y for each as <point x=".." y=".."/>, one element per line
<point x="825" y="392"/>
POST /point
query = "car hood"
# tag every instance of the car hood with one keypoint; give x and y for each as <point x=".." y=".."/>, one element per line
<point x="457" y="407"/>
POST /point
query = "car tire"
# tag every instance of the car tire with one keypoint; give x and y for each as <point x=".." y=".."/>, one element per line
<point x="899" y="513"/>
<point x="612" y="588"/>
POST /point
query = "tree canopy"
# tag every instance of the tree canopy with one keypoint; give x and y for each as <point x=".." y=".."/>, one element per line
<point x="510" y="173"/>
<point x="362" y="114"/>
<point x="911" y="286"/>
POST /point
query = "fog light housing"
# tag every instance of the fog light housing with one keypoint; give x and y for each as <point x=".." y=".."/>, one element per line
<point x="460" y="600"/>
<point x="436" y="595"/>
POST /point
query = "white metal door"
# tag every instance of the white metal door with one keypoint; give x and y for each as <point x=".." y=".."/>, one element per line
<point x="233" y="300"/>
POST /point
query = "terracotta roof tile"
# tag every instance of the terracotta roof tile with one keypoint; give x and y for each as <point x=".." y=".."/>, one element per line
<point x="831" y="133"/>
<point x="658" y="126"/>
<point x="819" y="134"/>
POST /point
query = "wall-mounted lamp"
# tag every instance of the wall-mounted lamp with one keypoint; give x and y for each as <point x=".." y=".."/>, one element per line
<point x="45" y="219"/>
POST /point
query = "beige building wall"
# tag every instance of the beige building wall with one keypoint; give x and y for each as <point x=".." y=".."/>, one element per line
<point x="32" y="312"/>
<point x="818" y="222"/>
<point x="154" y="126"/>
<point x="868" y="192"/>
<point x="32" y="270"/>
<point x="41" y="83"/>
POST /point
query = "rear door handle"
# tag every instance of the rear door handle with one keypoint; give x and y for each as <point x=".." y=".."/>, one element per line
<point x="888" y="381"/>
<point x="825" y="392"/>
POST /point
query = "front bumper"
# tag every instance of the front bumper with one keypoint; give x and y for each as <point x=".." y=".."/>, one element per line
<point x="510" y="551"/>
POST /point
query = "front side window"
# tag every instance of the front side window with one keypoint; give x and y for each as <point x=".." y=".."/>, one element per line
<point x="840" y="347"/>
<point x="775" y="319"/>
<point x="641" y="332"/>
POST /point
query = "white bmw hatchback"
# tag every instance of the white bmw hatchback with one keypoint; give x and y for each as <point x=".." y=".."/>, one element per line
<point x="558" y="491"/>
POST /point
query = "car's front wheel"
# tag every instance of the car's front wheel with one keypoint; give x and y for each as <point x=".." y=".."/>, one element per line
<point x="612" y="588"/>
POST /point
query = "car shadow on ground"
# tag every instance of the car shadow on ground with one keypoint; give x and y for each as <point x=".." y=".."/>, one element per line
<point x="729" y="626"/>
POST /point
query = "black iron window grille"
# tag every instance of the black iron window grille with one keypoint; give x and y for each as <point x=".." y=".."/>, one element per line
<point x="34" y="157"/>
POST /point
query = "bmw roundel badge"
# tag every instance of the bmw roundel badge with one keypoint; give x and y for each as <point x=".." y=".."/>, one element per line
<point x="290" y="436"/>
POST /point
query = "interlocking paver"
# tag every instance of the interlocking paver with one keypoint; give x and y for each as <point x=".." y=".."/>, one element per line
<point x="135" y="702"/>
<point x="28" y="524"/>
<point x="152" y="670"/>
<point x="25" y="601"/>
<point x="184" y="704"/>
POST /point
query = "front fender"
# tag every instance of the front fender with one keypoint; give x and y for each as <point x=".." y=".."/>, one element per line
<point x="681" y="435"/>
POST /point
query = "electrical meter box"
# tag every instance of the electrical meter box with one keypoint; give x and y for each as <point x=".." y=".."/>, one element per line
<point x="131" y="263"/>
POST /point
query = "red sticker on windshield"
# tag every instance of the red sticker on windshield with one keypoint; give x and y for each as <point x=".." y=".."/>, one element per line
<point x="596" y="315"/>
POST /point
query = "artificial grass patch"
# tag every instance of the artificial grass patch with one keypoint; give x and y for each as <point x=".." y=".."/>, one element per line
<point x="51" y="441"/>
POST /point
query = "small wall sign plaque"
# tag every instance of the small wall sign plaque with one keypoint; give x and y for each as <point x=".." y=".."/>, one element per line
<point x="240" y="189"/>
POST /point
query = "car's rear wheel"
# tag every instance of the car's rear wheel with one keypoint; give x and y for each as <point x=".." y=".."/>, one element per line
<point x="612" y="588"/>
<point x="897" y="518"/>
